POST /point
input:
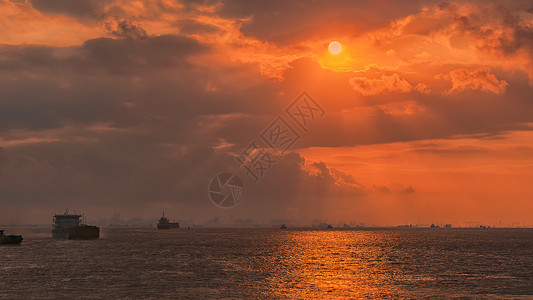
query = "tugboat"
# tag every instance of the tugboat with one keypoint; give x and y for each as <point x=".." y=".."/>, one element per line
<point x="10" y="239"/>
<point x="164" y="223"/>
<point x="69" y="227"/>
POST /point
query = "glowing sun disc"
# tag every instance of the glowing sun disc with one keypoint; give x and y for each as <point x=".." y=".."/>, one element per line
<point x="335" y="47"/>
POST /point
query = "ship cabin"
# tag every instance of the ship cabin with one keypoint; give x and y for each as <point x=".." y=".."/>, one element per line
<point x="66" y="221"/>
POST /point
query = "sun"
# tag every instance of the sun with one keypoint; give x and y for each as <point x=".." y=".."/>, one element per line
<point x="335" y="47"/>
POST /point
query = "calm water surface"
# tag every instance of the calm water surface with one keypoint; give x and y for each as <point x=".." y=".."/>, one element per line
<point x="271" y="263"/>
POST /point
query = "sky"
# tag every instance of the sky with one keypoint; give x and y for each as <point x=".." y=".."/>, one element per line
<point x="124" y="109"/>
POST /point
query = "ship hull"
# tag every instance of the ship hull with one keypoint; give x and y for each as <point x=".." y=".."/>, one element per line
<point x="168" y="226"/>
<point x="77" y="233"/>
<point x="11" y="240"/>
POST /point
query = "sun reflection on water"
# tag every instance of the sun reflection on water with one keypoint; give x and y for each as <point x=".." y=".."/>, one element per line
<point x="334" y="263"/>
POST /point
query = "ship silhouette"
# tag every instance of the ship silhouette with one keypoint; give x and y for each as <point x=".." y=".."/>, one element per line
<point x="68" y="226"/>
<point x="164" y="223"/>
<point x="10" y="239"/>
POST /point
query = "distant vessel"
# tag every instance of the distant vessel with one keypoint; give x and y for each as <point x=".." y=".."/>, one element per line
<point x="67" y="226"/>
<point x="283" y="226"/>
<point x="164" y="223"/>
<point x="10" y="239"/>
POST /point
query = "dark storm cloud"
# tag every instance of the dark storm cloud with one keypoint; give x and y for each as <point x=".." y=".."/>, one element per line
<point x="91" y="11"/>
<point x="2" y="159"/>
<point x="94" y="9"/>
<point x="115" y="55"/>
<point x="522" y="37"/>
<point x="294" y="189"/>
<point x="285" y="22"/>
<point x="117" y="173"/>
<point x="47" y="87"/>
<point x="26" y="57"/>
<point x="123" y="55"/>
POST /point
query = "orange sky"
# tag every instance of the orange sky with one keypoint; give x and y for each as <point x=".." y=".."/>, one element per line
<point x="132" y="106"/>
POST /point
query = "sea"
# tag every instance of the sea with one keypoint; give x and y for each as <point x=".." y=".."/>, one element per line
<point x="269" y="263"/>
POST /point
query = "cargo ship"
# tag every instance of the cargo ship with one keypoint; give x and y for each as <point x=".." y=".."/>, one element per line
<point x="10" y="239"/>
<point x="164" y="223"/>
<point x="68" y="226"/>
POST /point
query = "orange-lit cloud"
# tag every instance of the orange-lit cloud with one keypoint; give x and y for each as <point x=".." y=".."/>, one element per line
<point x="387" y="83"/>
<point x="474" y="79"/>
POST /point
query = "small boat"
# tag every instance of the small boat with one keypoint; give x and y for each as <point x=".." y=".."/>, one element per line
<point x="10" y="239"/>
<point x="164" y="223"/>
<point x="283" y="226"/>
<point x="329" y="226"/>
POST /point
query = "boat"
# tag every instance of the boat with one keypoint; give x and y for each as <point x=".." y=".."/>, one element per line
<point x="164" y="223"/>
<point x="283" y="226"/>
<point x="68" y="226"/>
<point x="10" y="239"/>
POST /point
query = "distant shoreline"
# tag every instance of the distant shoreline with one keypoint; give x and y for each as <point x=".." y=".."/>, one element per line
<point x="270" y="227"/>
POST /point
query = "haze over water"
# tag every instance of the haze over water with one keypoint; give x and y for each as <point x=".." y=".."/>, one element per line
<point x="271" y="263"/>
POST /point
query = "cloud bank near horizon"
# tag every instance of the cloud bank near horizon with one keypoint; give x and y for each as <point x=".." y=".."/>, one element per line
<point x="129" y="106"/>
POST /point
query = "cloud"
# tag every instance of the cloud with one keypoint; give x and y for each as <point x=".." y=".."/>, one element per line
<point x="283" y="23"/>
<point x="117" y="173"/>
<point x="488" y="34"/>
<point x="385" y="84"/>
<point x="135" y="107"/>
<point x="136" y="51"/>
<point x="473" y="79"/>
<point x="304" y="190"/>
<point x="2" y="160"/>
<point x="126" y="29"/>
<point x="120" y="55"/>
<point x="94" y="9"/>
<point x="422" y="88"/>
